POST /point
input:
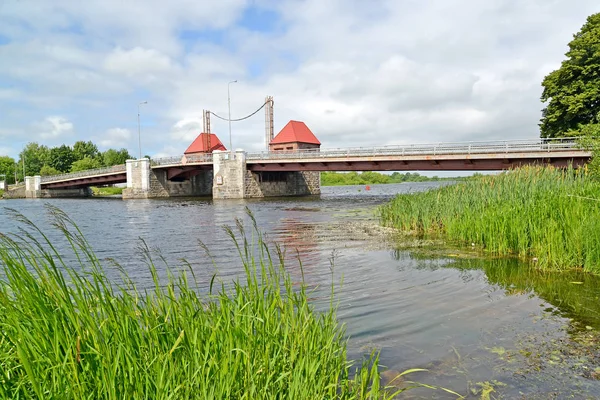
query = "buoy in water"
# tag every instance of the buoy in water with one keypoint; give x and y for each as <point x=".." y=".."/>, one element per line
<point x="367" y="187"/>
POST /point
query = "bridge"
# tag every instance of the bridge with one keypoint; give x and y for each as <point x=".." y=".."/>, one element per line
<point x="241" y="175"/>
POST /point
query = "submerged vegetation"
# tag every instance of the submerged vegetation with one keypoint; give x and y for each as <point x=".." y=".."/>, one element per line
<point x="67" y="332"/>
<point x="549" y="215"/>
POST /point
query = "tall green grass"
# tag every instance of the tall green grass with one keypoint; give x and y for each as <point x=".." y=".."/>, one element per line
<point x="67" y="332"/>
<point x="549" y="215"/>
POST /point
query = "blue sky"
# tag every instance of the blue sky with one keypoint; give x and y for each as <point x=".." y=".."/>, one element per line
<point x="358" y="73"/>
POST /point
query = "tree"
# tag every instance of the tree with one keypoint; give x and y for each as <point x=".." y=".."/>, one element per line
<point x="48" y="171"/>
<point x="61" y="158"/>
<point x="115" y="157"/>
<point x="83" y="149"/>
<point x="35" y="156"/>
<point x="572" y="92"/>
<point x="7" y="167"/>
<point x="85" y="163"/>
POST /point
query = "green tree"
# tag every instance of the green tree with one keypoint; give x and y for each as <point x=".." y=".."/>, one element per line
<point x="7" y="167"/>
<point x="35" y="156"/>
<point x="572" y="92"/>
<point x="47" y="170"/>
<point x="61" y="158"/>
<point x="85" y="163"/>
<point x="83" y="149"/>
<point x="115" y="157"/>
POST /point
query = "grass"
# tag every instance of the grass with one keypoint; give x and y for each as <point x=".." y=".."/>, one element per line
<point x="548" y="215"/>
<point x="67" y="332"/>
<point x="107" y="191"/>
<point x="1" y="193"/>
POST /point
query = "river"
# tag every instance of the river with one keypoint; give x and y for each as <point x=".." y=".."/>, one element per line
<point x="478" y="325"/>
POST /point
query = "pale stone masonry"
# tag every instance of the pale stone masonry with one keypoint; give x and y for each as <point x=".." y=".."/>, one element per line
<point x="229" y="179"/>
<point x="289" y="184"/>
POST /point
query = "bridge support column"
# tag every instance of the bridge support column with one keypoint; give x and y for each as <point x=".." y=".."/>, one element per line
<point x="138" y="179"/>
<point x="229" y="174"/>
<point x="33" y="187"/>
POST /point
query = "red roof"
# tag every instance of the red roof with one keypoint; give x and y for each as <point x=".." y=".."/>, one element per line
<point x="295" y="131"/>
<point x="201" y="143"/>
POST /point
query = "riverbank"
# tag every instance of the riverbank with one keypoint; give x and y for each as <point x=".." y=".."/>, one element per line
<point x="258" y="338"/>
<point x="373" y="178"/>
<point x="107" y="191"/>
<point x="547" y="215"/>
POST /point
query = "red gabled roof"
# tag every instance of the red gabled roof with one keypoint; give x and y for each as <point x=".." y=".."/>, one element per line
<point x="200" y="144"/>
<point x="295" y="131"/>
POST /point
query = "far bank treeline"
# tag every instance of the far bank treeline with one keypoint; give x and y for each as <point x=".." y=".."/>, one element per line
<point x="371" y="178"/>
<point x="36" y="159"/>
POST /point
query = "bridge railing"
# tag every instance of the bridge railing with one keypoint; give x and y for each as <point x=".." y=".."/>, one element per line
<point x="186" y="159"/>
<point x="84" y="174"/>
<point x="504" y="146"/>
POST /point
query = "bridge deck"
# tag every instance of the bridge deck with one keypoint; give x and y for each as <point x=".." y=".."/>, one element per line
<point x="474" y="156"/>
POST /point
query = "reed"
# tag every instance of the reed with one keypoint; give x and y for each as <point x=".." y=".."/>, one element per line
<point x="548" y="215"/>
<point x="67" y="332"/>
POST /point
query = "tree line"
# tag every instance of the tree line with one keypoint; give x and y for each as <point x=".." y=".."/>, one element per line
<point x="371" y="178"/>
<point x="36" y="159"/>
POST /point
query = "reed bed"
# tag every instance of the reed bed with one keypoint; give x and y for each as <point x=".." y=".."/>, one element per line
<point x="548" y="215"/>
<point x="67" y="332"/>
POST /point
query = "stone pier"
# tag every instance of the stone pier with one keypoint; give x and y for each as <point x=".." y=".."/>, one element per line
<point x="232" y="180"/>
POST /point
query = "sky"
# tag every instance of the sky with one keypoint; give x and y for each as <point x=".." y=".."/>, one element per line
<point x="358" y="73"/>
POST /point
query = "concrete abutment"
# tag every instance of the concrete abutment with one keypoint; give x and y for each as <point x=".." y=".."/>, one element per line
<point x="229" y="179"/>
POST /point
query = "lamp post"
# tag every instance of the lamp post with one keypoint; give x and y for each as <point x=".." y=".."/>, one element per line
<point x="229" y="108"/>
<point x="140" y="129"/>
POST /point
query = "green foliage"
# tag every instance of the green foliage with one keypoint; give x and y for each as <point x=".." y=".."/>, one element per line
<point x="61" y="158"/>
<point x="7" y="167"/>
<point x="115" y="157"/>
<point x="370" y="178"/>
<point x="107" y="191"/>
<point x="83" y="149"/>
<point x="69" y="333"/>
<point x="590" y="140"/>
<point x="85" y="164"/>
<point x="36" y="156"/>
<point x="543" y="213"/>
<point x="573" y="90"/>
<point x="49" y="171"/>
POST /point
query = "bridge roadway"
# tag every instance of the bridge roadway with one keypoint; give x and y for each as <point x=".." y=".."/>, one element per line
<point x="469" y="156"/>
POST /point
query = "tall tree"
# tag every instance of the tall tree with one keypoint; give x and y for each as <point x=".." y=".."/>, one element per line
<point x="115" y="157"/>
<point x="7" y="167"/>
<point x="572" y="92"/>
<point x="83" y="149"/>
<point x="61" y="158"/>
<point x="34" y="157"/>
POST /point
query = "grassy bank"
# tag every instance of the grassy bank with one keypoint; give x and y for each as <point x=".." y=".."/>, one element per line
<point x="1" y="193"/>
<point x="67" y="332"/>
<point x="372" y="178"/>
<point x="549" y="215"/>
<point x="107" y="191"/>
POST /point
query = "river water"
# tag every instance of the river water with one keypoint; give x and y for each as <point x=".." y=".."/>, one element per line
<point x="480" y="326"/>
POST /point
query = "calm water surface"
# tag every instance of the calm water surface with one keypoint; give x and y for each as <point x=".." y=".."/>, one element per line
<point x="474" y="323"/>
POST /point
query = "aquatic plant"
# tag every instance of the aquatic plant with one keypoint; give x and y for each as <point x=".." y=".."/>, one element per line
<point x="68" y="332"/>
<point x="548" y="215"/>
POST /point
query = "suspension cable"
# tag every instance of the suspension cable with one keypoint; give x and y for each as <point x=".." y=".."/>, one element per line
<point x="239" y="119"/>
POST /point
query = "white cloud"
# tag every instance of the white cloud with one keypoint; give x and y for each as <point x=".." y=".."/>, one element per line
<point x="115" y="138"/>
<point x="137" y="62"/>
<point x="54" y="127"/>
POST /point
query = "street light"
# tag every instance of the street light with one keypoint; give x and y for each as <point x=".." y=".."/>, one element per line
<point x="229" y="107"/>
<point x="140" y="129"/>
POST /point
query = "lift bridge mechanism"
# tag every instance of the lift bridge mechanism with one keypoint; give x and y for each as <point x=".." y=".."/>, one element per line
<point x="269" y="123"/>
